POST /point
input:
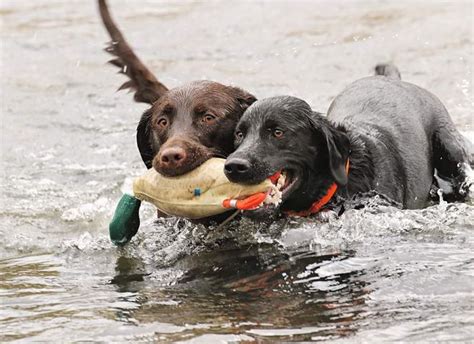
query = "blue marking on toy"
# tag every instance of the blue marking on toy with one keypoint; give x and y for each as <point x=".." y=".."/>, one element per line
<point x="197" y="192"/>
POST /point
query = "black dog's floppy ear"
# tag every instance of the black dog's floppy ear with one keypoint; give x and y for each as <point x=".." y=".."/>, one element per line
<point x="144" y="139"/>
<point x="338" y="152"/>
<point x="338" y="148"/>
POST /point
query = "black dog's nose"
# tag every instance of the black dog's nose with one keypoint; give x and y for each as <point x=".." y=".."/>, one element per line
<point x="236" y="167"/>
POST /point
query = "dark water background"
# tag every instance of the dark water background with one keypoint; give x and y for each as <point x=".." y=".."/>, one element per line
<point x="68" y="145"/>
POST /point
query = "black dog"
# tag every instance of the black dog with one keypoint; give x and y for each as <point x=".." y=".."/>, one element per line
<point x="380" y="134"/>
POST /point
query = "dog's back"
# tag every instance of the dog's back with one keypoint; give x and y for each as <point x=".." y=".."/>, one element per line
<point x="408" y="131"/>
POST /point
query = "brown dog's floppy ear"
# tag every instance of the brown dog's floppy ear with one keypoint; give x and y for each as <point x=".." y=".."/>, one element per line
<point x="244" y="98"/>
<point x="338" y="147"/>
<point x="147" y="88"/>
<point x="144" y="133"/>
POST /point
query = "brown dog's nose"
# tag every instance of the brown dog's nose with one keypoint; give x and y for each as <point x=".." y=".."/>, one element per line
<point x="172" y="157"/>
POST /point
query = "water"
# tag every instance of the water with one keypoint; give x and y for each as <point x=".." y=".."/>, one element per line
<point x="68" y="145"/>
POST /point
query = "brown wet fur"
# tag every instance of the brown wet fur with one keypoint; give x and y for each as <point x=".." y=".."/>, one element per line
<point x="197" y="118"/>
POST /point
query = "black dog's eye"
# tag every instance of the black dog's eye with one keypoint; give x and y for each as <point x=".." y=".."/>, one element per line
<point x="278" y="133"/>
<point x="208" y="118"/>
<point x="162" y="122"/>
<point x="239" y="135"/>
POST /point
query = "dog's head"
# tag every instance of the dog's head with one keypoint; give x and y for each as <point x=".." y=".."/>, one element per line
<point x="186" y="125"/>
<point x="283" y="134"/>
<point x="189" y="124"/>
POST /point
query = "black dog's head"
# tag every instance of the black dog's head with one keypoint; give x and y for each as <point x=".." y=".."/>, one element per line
<point x="282" y="134"/>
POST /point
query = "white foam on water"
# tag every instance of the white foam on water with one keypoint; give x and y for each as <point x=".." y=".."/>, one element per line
<point x="87" y="211"/>
<point x="469" y="181"/>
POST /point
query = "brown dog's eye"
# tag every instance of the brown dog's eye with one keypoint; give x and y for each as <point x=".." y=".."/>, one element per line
<point x="162" y="122"/>
<point x="277" y="133"/>
<point x="208" y="118"/>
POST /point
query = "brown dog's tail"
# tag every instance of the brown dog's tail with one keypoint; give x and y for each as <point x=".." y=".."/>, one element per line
<point x="147" y="88"/>
<point x="388" y="70"/>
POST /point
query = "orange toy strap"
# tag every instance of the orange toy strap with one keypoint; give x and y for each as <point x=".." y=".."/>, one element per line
<point x="252" y="201"/>
<point x="316" y="206"/>
<point x="248" y="203"/>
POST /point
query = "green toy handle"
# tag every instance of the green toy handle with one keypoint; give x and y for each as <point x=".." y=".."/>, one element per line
<point x="126" y="220"/>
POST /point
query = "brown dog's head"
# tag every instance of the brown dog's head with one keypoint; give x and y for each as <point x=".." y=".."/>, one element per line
<point x="186" y="125"/>
<point x="189" y="124"/>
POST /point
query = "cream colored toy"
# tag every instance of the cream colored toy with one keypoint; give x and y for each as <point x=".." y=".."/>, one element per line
<point x="197" y="194"/>
<point x="203" y="192"/>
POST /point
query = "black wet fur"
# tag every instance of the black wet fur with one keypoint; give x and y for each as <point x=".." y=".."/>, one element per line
<point x="394" y="134"/>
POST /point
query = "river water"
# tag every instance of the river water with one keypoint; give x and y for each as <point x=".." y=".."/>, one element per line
<point x="68" y="147"/>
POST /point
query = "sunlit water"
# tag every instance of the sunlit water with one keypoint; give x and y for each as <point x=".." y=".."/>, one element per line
<point x="376" y="274"/>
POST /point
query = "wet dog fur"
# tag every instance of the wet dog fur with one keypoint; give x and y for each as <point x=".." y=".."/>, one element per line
<point x="184" y="126"/>
<point x="394" y="135"/>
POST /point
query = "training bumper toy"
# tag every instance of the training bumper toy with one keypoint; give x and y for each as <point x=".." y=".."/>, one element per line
<point x="203" y="192"/>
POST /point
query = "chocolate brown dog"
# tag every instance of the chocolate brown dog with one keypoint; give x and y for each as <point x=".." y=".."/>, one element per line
<point x="184" y="126"/>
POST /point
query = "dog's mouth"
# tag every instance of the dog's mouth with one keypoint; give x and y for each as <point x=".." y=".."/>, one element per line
<point x="284" y="182"/>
